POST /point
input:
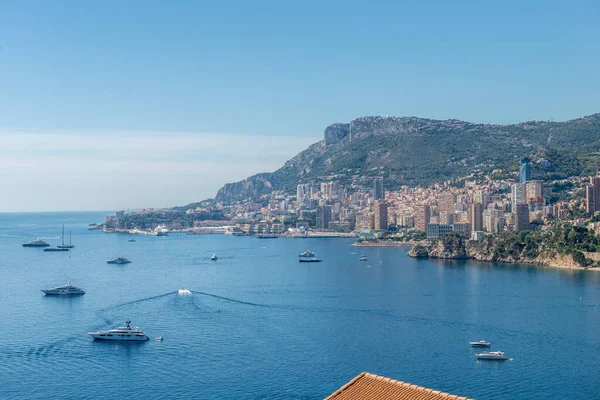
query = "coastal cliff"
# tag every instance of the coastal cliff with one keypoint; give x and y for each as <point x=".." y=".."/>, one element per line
<point x="503" y="248"/>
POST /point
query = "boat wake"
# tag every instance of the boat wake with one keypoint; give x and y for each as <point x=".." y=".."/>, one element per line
<point x="229" y="299"/>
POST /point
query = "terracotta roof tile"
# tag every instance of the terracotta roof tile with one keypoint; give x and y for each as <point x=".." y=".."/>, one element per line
<point x="368" y="386"/>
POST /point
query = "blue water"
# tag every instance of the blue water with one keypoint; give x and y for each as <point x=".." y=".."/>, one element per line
<point x="262" y="325"/>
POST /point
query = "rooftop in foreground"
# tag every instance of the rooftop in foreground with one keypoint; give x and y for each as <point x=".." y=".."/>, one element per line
<point x="368" y="386"/>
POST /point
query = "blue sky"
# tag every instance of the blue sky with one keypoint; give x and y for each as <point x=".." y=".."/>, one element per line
<point x="278" y="72"/>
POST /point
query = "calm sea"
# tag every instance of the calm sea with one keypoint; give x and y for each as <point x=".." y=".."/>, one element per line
<point x="262" y="325"/>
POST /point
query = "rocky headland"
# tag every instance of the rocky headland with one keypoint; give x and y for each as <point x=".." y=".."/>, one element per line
<point x="499" y="249"/>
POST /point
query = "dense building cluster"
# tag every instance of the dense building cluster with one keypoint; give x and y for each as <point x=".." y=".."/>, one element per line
<point x="473" y="206"/>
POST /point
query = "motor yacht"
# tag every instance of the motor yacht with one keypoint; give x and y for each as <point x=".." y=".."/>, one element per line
<point x="481" y="343"/>
<point x="363" y="258"/>
<point x="214" y="257"/>
<point x="123" y="333"/>
<point x="35" y="243"/>
<point x="307" y="253"/>
<point x="65" y="290"/>
<point x="492" y="355"/>
<point x="118" y="260"/>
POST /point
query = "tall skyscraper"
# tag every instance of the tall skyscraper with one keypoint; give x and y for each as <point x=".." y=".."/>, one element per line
<point x="517" y="195"/>
<point x="524" y="170"/>
<point x="323" y="217"/>
<point x="592" y="194"/>
<point x="378" y="189"/>
<point x="590" y="199"/>
<point x="521" y="217"/>
<point x="476" y="216"/>
<point x="381" y="215"/>
<point x="422" y="216"/>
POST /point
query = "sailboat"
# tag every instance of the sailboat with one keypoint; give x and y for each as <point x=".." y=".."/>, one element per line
<point x="63" y="245"/>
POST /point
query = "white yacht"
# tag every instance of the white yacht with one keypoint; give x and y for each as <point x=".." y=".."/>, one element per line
<point x="492" y="355"/>
<point x="161" y="230"/>
<point x="481" y="343"/>
<point x="65" y="290"/>
<point x="35" y="243"/>
<point x="307" y="254"/>
<point x="118" y="260"/>
<point x="123" y="333"/>
<point x="214" y="257"/>
<point x="363" y="258"/>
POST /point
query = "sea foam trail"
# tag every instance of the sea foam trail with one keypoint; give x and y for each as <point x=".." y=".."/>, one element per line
<point x="230" y="299"/>
<point x="138" y="301"/>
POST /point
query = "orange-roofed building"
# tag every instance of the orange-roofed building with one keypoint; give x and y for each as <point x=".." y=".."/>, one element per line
<point x="368" y="386"/>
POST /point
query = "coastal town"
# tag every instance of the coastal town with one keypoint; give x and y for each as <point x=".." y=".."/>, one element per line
<point x="473" y="207"/>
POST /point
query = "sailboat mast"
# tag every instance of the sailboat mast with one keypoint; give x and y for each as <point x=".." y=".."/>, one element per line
<point x="62" y="236"/>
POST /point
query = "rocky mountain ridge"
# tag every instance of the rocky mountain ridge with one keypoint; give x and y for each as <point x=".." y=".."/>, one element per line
<point x="414" y="151"/>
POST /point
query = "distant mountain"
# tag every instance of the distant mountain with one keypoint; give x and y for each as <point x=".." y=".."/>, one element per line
<point x="418" y="151"/>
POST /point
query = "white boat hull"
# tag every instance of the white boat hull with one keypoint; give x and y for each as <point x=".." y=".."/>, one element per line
<point x="61" y="293"/>
<point x="117" y="337"/>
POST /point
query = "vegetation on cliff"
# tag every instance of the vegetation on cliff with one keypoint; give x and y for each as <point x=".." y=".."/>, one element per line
<point x="525" y="246"/>
<point x="418" y="151"/>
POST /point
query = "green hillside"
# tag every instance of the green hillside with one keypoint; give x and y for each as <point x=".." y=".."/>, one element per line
<point x="416" y="151"/>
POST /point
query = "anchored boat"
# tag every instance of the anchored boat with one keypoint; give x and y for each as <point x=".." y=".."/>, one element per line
<point x="123" y="333"/>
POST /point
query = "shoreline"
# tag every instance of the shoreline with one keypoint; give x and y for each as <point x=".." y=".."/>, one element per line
<point x="531" y="263"/>
<point x="383" y="244"/>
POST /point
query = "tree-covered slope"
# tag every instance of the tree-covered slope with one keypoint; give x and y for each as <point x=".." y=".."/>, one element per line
<point x="417" y="151"/>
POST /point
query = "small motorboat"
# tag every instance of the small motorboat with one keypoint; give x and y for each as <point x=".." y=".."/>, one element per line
<point x="118" y="260"/>
<point x="214" y="257"/>
<point x="363" y="258"/>
<point x="159" y="339"/>
<point x="131" y="240"/>
<point x="492" y="355"/>
<point x="306" y="254"/>
<point x="481" y="343"/>
<point x="310" y="260"/>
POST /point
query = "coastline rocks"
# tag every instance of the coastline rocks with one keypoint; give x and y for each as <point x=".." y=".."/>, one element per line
<point x="457" y="247"/>
<point x="450" y="247"/>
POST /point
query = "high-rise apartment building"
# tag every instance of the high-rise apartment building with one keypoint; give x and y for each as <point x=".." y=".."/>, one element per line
<point x="381" y="215"/>
<point x="422" y="216"/>
<point x="378" y="189"/>
<point x="534" y="190"/>
<point x="302" y="191"/>
<point x="365" y="221"/>
<point x="446" y="202"/>
<point x="524" y="170"/>
<point x="517" y="194"/>
<point x="323" y="217"/>
<point x="521" y="217"/>
<point x="592" y="195"/>
<point x="476" y="216"/>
